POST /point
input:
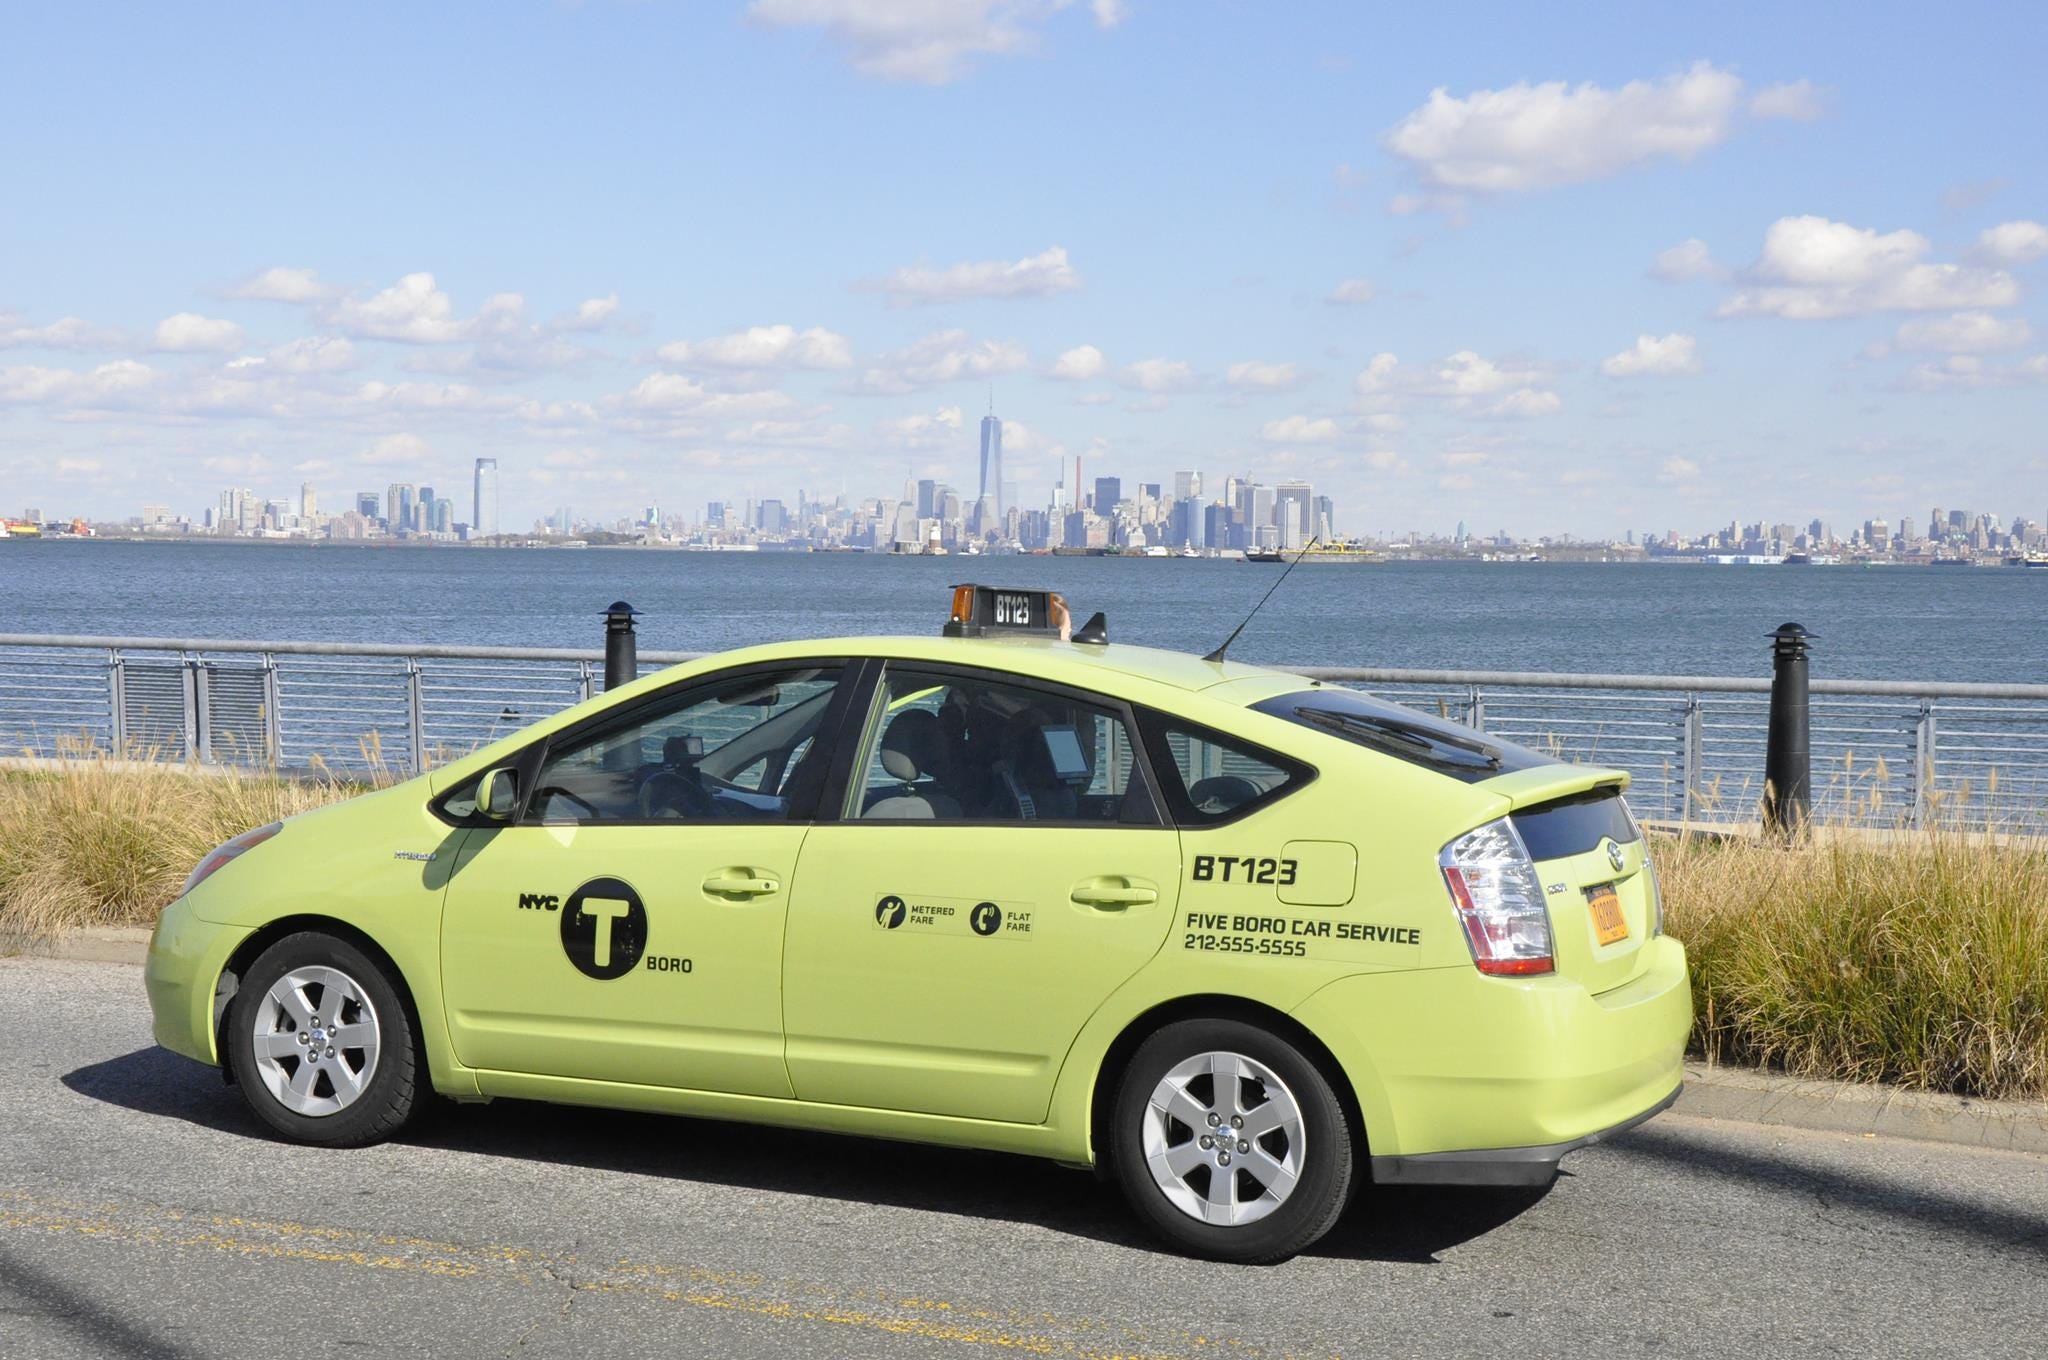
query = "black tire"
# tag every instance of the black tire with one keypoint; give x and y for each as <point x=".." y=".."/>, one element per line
<point x="1324" y="1182"/>
<point x="389" y="1095"/>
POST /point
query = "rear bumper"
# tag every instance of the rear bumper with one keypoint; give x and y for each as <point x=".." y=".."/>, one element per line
<point x="1452" y="1068"/>
<point x="1500" y="1166"/>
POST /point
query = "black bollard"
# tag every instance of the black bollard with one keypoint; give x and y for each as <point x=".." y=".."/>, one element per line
<point x="621" y="648"/>
<point x="1788" y="755"/>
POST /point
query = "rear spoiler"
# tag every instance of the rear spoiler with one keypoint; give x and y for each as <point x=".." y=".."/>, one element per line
<point x="1525" y="788"/>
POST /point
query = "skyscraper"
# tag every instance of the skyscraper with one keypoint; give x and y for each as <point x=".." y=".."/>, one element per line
<point x="309" y="501"/>
<point x="483" y="514"/>
<point x="1293" y="511"/>
<point x="992" y="460"/>
<point x="1108" y="491"/>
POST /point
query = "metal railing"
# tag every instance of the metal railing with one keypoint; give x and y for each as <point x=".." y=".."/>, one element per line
<point x="1885" y="753"/>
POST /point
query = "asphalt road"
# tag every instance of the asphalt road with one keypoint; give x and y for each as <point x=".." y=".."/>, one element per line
<point x="142" y="1213"/>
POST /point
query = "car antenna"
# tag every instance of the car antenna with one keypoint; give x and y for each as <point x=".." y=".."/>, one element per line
<point x="1217" y="655"/>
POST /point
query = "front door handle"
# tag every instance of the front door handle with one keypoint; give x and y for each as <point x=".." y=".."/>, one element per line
<point x="741" y="883"/>
<point x="1113" y="894"/>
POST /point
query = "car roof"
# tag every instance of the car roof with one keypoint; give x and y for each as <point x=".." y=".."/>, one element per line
<point x="1047" y="658"/>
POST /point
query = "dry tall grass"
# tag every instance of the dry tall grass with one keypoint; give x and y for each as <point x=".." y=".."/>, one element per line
<point x="107" y="843"/>
<point x="1916" y="959"/>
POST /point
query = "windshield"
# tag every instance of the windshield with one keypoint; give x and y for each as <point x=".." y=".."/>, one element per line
<point x="1404" y="733"/>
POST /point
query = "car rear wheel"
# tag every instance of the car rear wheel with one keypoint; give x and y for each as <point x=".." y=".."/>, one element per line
<point x="1230" y="1143"/>
<point x="321" y="1044"/>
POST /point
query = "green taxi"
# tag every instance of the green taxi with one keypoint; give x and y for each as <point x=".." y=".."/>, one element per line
<point x="1242" y="940"/>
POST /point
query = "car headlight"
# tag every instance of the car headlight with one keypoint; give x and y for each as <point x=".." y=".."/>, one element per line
<point x="218" y="858"/>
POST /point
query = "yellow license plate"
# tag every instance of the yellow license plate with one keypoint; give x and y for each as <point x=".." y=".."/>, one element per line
<point x="1609" y="924"/>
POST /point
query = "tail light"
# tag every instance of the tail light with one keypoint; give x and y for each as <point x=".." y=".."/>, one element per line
<point x="1649" y="873"/>
<point x="1499" y="900"/>
<point x="221" y="854"/>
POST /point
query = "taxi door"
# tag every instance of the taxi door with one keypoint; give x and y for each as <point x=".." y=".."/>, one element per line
<point x="999" y="869"/>
<point x="627" y="925"/>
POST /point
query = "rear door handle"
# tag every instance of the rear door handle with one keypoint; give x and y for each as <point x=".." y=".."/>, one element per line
<point x="741" y="883"/>
<point x="1113" y="894"/>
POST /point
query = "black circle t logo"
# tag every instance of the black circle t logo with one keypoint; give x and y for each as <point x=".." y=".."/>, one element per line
<point x="604" y="928"/>
<point x="889" y="912"/>
<point x="987" y="918"/>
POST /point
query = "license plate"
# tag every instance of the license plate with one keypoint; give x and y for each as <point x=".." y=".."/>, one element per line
<point x="1609" y="924"/>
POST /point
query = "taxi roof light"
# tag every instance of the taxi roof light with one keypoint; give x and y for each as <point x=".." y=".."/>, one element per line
<point x="998" y="611"/>
<point x="1499" y="901"/>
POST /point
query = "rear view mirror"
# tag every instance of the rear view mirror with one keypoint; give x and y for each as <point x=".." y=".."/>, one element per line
<point x="497" y="797"/>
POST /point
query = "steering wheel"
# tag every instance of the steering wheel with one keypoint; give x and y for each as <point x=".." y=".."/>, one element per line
<point x="676" y="793"/>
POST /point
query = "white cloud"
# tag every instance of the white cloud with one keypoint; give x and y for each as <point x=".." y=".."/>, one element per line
<point x="1797" y="101"/>
<point x="936" y="429"/>
<point x="1967" y="372"/>
<point x="1466" y="374"/>
<point x="1040" y="275"/>
<point x="672" y="394"/>
<point x="1110" y="13"/>
<point x="281" y="284"/>
<point x="1351" y="292"/>
<point x="942" y="357"/>
<point x="1379" y="374"/>
<point x="1263" y="377"/>
<point x="1384" y="460"/>
<point x="1079" y="364"/>
<point x="1675" y="470"/>
<point x="1300" y="430"/>
<point x="1654" y="356"/>
<point x="1523" y="404"/>
<point x="926" y="42"/>
<point x="1965" y="333"/>
<point x="1157" y="375"/>
<point x="1814" y="269"/>
<point x="189" y="332"/>
<point x="412" y="310"/>
<point x="1541" y="136"/>
<point x="394" y="450"/>
<point x="2012" y="243"/>
<point x="764" y="347"/>
<point x="591" y="314"/>
<point x="120" y="384"/>
<point x="1457" y="481"/>
<point x="1466" y="381"/>
<point x="77" y="466"/>
<point x="1465" y="458"/>
<point x="70" y="333"/>
<point x="313" y="354"/>
<point x="1689" y="259"/>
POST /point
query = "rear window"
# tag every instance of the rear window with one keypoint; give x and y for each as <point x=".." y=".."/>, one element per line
<point x="1574" y="825"/>
<point x="1404" y="733"/>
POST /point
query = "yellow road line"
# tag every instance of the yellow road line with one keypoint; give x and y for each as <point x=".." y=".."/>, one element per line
<point x="689" y="1285"/>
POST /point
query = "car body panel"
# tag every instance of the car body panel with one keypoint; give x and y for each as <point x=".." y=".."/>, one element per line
<point x="802" y="1006"/>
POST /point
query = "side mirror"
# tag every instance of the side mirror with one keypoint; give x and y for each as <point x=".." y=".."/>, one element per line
<point x="497" y="797"/>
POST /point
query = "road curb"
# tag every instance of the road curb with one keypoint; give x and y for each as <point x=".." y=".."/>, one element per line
<point x="1739" y="1094"/>
<point x="89" y="944"/>
<point x="1753" y="1097"/>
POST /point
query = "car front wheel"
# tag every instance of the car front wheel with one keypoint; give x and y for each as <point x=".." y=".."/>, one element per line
<point x="1230" y="1143"/>
<point x="320" y="1043"/>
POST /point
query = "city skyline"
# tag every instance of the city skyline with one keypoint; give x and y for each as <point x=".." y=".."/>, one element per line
<point x="1554" y="274"/>
<point x="1234" y="512"/>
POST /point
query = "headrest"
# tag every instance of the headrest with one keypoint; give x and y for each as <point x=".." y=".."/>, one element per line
<point x="913" y="745"/>
<point x="682" y="750"/>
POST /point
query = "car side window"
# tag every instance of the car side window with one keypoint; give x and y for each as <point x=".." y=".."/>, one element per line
<point x="1212" y="778"/>
<point x="942" y="747"/>
<point x="725" y="750"/>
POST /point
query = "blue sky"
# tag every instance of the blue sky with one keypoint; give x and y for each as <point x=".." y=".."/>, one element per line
<point x="1607" y="269"/>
